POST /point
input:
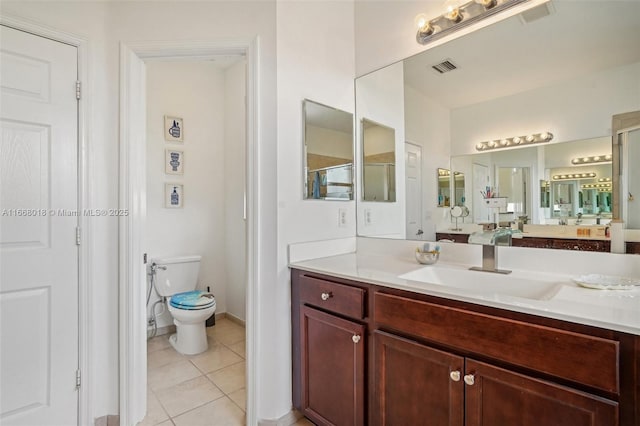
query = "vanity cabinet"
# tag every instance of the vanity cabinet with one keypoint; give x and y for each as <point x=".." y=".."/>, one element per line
<point x="329" y="341"/>
<point x="437" y="361"/>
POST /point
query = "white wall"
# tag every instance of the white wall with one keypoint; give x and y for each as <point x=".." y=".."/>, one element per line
<point x="234" y="189"/>
<point x="329" y="142"/>
<point x="427" y="124"/>
<point x="105" y="25"/>
<point x="315" y="61"/>
<point x="194" y="91"/>
<point x="380" y="98"/>
<point x="580" y="108"/>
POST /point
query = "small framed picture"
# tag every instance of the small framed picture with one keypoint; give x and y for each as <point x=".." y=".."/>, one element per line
<point x="173" y="129"/>
<point x="173" y="195"/>
<point x="174" y="162"/>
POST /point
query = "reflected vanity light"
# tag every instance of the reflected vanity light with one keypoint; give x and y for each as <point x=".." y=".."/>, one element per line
<point x="604" y="180"/>
<point x="515" y="141"/>
<point x="569" y="176"/>
<point x="458" y="14"/>
<point x="596" y="185"/>
<point x="604" y="158"/>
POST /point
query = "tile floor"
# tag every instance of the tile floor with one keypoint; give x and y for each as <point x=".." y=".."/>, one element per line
<point x="207" y="389"/>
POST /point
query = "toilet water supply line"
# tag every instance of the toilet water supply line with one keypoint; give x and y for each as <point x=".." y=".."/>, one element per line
<point x="152" y="321"/>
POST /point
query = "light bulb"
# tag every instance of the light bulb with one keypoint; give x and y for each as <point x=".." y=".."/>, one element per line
<point x="517" y="140"/>
<point x="504" y="142"/>
<point x="480" y="146"/>
<point x="596" y="158"/>
<point x="452" y="10"/>
<point x="487" y="4"/>
<point x="530" y="138"/>
<point x="575" y="161"/>
<point x="607" y="157"/>
<point x="421" y="20"/>
<point x="585" y="159"/>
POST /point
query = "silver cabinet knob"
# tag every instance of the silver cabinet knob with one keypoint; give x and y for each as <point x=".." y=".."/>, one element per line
<point x="325" y="296"/>
<point x="469" y="379"/>
<point x="355" y="338"/>
<point x="455" y="376"/>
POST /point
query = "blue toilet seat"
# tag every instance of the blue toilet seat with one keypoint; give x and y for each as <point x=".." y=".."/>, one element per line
<point x="193" y="300"/>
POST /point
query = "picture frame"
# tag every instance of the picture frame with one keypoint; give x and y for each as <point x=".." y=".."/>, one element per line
<point x="174" y="162"/>
<point x="173" y="129"/>
<point x="173" y="195"/>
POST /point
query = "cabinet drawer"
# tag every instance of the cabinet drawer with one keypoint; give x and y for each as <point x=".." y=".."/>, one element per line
<point x="581" y="358"/>
<point x="334" y="297"/>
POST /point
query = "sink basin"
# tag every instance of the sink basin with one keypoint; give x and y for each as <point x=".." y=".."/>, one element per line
<point x="517" y="284"/>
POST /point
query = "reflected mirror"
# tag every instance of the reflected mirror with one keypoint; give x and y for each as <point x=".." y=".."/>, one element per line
<point x="560" y="66"/>
<point x="458" y="189"/>
<point x="328" y="152"/>
<point x="379" y="162"/>
<point x="444" y="187"/>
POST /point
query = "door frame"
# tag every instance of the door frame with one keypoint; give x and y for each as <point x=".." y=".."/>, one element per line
<point x="85" y="316"/>
<point x="132" y="314"/>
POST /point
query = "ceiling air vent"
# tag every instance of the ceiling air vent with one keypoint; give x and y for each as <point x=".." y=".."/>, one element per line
<point x="444" y="66"/>
<point x="538" y="12"/>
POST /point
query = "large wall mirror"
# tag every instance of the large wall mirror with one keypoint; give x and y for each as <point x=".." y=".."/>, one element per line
<point x="328" y="152"/>
<point x="567" y="72"/>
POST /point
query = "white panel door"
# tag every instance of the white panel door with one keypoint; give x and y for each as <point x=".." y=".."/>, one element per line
<point x="413" y="178"/>
<point x="480" y="183"/>
<point x="38" y="251"/>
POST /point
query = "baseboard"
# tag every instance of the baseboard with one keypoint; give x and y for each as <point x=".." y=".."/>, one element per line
<point x="235" y="319"/>
<point x="110" y="420"/>
<point x="287" y="420"/>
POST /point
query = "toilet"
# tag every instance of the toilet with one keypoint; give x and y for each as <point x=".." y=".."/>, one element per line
<point x="176" y="279"/>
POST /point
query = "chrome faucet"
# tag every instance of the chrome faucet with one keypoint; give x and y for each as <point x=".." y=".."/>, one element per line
<point x="491" y="237"/>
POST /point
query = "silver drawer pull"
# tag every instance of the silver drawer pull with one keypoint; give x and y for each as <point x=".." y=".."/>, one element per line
<point x="325" y="296"/>
<point x="355" y="338"/>
<point x="455" y="376"/>
<point x="469" y="379"/>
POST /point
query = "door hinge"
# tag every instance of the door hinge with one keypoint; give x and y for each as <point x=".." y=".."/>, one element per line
<point x="78" y="379"/>
<point x="78" y="235"/>
<point x="78" y="89"/>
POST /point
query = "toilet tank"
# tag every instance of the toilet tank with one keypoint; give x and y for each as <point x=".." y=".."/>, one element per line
<point x="181" y="274"/>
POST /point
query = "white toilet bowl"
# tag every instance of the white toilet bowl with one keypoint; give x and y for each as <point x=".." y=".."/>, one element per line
<point x="191" y="336"/>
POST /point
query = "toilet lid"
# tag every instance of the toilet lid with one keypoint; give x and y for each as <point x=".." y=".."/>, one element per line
<point x="192" y="300"/>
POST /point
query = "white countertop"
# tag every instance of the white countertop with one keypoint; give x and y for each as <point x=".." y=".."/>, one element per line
<point x="611" y="309"/>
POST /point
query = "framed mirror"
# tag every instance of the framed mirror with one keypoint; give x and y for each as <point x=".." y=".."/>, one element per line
<point x="328" y="152"/>
<point x="378" y="162"/>
<point x="562" y="65"/>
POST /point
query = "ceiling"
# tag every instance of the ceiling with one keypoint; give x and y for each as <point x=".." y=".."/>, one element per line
<point x="319" y="115"/>
<point x="511" y="56"/>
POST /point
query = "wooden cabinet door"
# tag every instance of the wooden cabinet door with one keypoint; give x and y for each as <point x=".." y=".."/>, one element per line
<point x="416" y="384"/>
<point x="332" y="352"/>
<point x="495" y="396"/>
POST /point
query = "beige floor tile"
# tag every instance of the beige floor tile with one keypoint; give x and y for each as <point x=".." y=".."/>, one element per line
<point x="229" y="379"/>
<point x="155" y="412"/>
<point x="215" y="359"/>
<point x="188" y="395"/>
<point x="171" y="374"/>
<point x="167" y="423"/>
<point x="221" y="412"/>
<point x="240" y="348"/>
<point x="303" y="422"/>
<point x="227" y="332"/>
<point x="240" y="398"/>
<point x="163" y="357"/>
<point x="157" y="343"/>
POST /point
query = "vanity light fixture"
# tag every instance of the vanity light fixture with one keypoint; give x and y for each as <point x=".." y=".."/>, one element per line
<point x="569" y="176"/>
<point x="458" y="14"/>
<point x="604" y="158"/>
<point x="596" y="185"/>
<point x="515" y="141"/>
<point x="604" y="180"/>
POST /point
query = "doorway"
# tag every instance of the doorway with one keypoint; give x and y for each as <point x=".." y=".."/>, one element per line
<point x="195" y="185"/>
<point x="133" y="192"/>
